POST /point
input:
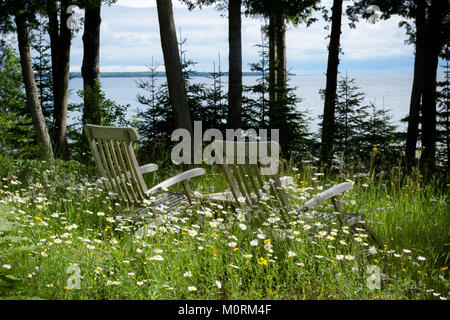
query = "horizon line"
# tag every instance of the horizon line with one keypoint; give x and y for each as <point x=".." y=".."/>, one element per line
<point x="130" y="74"/>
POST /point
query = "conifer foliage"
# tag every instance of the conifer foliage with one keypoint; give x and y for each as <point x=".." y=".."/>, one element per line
<point x="16" y="128"/>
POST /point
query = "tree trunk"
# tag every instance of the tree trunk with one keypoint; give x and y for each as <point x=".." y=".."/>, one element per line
<point x="417" y="87"/>
<point x="281" y="57"/>
<point x="235" y="65"/>
<point x="273" y="58"/>
<point x="90" y="69"/>
<point x="447" y="112"/>
<point x="40" y="127"/>
<point x="60" y="40"/>
<point x="172" y="63"/>
<point x="277" y="70"/>
<point x="328" y="121"/>
<point x="433" y="44"/>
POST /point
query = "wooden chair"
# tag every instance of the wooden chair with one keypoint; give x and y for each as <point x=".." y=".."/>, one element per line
<point x="249" y="185"/>
<point x="122" y="176"/>
<point x="245" y="174"/>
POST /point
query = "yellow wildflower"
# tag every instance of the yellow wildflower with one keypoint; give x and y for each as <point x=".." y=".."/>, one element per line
<point x="262" y="261"/>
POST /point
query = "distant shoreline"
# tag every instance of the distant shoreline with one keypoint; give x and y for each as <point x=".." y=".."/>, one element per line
<point x="161" y="74"/>
<point x="145" y="74"/>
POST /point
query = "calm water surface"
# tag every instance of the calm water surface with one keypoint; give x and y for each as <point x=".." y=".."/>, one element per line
<point x="391" y="91"/>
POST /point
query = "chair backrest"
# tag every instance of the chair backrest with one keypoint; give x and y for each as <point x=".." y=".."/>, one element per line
<point x="116" y="162"/>
<point x="251" y="170"/>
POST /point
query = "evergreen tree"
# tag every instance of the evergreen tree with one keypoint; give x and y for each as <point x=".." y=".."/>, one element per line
<point x="292" y="125"/>
<point x="295" y="138"/>
<point x="427" y="25"/>
<point x="19" y="16"/>
<point x="17" y="135"/>
<point x="349" y="117"/>
<point x="256" y="98"/>
<point x="363" y="131"/>
<point x="154" y="124"/>
<point x="379" y="135"/>
<point x="216" y="99"/>
<point x="42" y="66"/>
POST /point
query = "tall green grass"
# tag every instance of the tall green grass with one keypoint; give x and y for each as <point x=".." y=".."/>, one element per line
<point x="207" y="251"/>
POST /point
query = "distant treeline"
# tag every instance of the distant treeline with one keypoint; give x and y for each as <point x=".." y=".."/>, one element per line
<point x="160" y="74"/>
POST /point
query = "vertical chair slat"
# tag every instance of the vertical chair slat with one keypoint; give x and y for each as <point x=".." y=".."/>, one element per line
<point x="125" y="170"/>
<point x="254" y="170"/>
<point x="257" y="173"/>
<point x="106" y="167"/>
<point x="130" y="149"/>
<point x="132" y="176"/>
<point x="113" y="169"/>
<point x="248" y="169"/>
<point x="119" y="171"/>
<point x="244" y="178"/>
<point x="273" y="192"/>
<point x="280" y="191"/>
<point x="239" y="184"/>
<point x="97" y="159"/>
<point x="133" y="170"/>
<point x="231" y="182"/>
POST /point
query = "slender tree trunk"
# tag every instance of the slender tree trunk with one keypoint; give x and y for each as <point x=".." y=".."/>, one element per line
<point x="277" y="70"/>
<point x="281" y="57"/>
<point x="328" y="121"/>
<point x="235" y="64"/>
<point x="417" y="87"/>
<point x="447" y="111"/>
<point x="90" y="69"/>
<point x="433" y="45"/>
<point x="273" y="70"/>
<point x="60" y="40"/>
<point x="172" y="63"/>
<point x="40" y="127"/>
<point x="264" y="124"/>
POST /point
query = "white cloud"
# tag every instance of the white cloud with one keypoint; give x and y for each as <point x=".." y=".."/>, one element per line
<point x="146" y="3"/>
<point x="130" y="37"/>
<point x="383" y="39"/>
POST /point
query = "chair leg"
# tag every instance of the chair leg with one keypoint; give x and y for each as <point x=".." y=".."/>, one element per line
<point x="338" y="208"/>
<point x="342" y="220"/>
<point x="372" y="235"/>
<point x="188" y="190"/>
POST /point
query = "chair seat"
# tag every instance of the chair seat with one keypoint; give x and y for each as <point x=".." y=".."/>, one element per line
<point x="349" y="219"/>
<point x="170" y="201"/>
<point x="155" y="213"/>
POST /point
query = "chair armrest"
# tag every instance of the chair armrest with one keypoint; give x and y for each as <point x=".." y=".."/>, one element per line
<point x="148" y="168"/>
<point x="177" y="179"/>
<point x="327" y="194"/>
<point x="219" y="196"/>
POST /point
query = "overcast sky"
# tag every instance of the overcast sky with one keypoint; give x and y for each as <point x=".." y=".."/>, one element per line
<point x="130" y="38"/>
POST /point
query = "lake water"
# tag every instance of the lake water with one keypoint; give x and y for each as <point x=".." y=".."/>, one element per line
<point x="392" y="91"/>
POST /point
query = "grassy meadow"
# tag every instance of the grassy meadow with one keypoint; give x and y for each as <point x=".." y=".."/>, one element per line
<point x="61" y="238"/>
